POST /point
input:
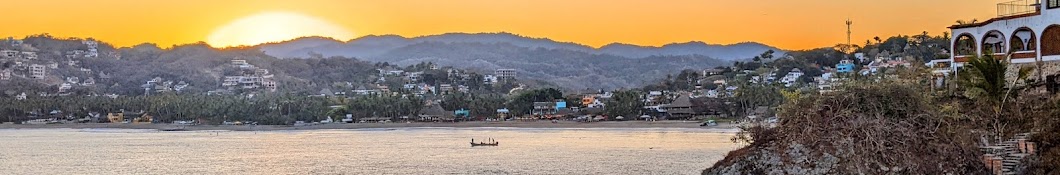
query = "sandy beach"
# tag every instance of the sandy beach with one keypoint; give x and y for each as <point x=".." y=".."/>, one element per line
<point x="473" y="124"/>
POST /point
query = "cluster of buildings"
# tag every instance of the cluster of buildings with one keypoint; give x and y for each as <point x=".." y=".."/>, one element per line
<point x="159" y="85"/>
<point x="26" y="64"/>
<point x="91" y="51"/>
<point x="414" y="81"/>
<point x="23" y="62"/>
<point x="250" y="78"/>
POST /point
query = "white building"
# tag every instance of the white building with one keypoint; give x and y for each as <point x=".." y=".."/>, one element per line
<point x="63" y="88"/>
<point x="29" y="55"/>
<point x="505" y="74"/>
<point x="489" y="79"/>
<point x="269" y="85"/>
<point x="1029" y="28"/>
<point x="9" y="53"/>
<point x="231" y="80"/>
<point x="792" y="77"/>
<point x="5" y="74"/>
<point x="37" y="71"/>
<point x="88" y="82"/>
<point x="413" y="77"/>
<point x="241" y="64"/>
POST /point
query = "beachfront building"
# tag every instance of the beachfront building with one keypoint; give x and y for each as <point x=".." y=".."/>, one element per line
<point x="435" y="113"/>
<point x="1029" y="29"/>
<point x="544" y="109"/>
<point x="502" y="114"/>
<point x="590" y="101"/>
<point x="680" y="109"/>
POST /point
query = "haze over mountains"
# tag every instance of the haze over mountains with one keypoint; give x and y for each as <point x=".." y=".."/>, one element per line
<point x="566" y="64"/>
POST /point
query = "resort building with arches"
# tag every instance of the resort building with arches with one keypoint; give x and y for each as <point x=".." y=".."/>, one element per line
<point x="1029" y="29"/>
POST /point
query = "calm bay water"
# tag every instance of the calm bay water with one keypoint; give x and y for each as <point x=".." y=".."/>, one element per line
<point x="375" y="151"/>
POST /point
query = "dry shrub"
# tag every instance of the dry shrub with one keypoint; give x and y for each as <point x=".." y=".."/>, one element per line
<point x="1047" y="136"/>
<point x="874" y="129"/>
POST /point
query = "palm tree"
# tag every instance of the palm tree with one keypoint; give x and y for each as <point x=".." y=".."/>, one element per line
<point x="985" y="79"/>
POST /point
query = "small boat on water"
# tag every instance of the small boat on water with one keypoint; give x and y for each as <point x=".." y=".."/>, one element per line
<point x="490" y="143"/>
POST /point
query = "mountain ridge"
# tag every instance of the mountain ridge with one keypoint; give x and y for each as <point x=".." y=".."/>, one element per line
<point x="373" y="45"/>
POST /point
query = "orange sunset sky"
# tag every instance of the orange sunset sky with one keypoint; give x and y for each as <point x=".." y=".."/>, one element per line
<point x="788" y="24"/>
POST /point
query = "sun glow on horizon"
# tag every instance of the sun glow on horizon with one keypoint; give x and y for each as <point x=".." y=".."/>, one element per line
<point x="274" y="27"/>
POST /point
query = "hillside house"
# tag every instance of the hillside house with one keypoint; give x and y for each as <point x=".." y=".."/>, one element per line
<point x="37" y="71"/>
<point x="845" y="66"/>
<point x="90" y="43"/>
<point x="382" y="89"/>
<point x="5" y="74"/>
<point x="489" y="79"/>
<point x="88" y="82"/>
<point x="65" y="87"/>
<point x="463" y="88"/>
<point x="362" y="90"/>
<point x="92" y="53"/>
<point x="179" y="86"/>
<point x="230" y="81"/>
<point x="29" y="55"/>
<point x="241" y="64"/>
<point x="445" y="88"/>
<point x="73" y="80"/>
<point x="712" y="72"/>
<point x="413" y="77"/>
<point x="9" y="53"/>
<point x="792" y="77"/>
<point x="390" y="72"/>
<point x="505" y="74"/>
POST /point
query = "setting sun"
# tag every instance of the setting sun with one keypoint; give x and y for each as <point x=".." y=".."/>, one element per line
<point x="273" y="27"/>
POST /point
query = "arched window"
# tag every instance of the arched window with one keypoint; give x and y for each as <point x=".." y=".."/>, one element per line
<point x="964" y="45"/>
<point x="1023" y="40"/>
<point x="994" y="43"/>
<point x="1051" y="40"/>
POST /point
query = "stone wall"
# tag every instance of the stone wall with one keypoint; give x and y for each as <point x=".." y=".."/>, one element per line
<point x="1048" y="68"/>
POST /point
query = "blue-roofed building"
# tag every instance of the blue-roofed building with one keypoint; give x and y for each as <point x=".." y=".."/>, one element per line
<point x="845" y="66"/>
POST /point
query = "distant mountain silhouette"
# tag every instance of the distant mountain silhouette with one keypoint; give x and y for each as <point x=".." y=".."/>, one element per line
<point x="376" y="45"/>
<point x="566" y="64"/>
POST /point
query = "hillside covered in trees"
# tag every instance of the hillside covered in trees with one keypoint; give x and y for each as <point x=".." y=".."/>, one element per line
<point x="569" y="65"/>
<point x="197" y="68"/>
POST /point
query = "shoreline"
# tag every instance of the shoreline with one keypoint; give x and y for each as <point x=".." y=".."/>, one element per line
<point x="340" y="126"/>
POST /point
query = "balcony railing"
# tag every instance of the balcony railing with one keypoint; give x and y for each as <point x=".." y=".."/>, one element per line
<point x="1018" y="7"/>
